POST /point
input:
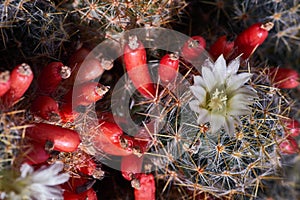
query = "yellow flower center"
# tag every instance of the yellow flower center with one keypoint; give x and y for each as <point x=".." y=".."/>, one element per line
<point x="218" y="101"/>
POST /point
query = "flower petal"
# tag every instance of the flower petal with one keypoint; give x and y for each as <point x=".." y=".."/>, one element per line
<point x="198" y="92"/>
<point x="243" y="110"/>
<point x="236" y="81"/>
<point x="203" y="116"/>
<point x="216" y="122"/>
<point x="220" y="69"/>
<point x="25" y="170"/>
<point x="208" y="63"/>
<point x="209" y="78"/>
<point x="233" y="67"/>
<point x="198" y="80"/>
<point x="229" y="126"/>
<point x="195" y="106"/>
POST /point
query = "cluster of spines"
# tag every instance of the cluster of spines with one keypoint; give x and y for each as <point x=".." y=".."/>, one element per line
<point x="11" y="134"/>
<point x="117" y="16"/>
<point x="32" y="28"/>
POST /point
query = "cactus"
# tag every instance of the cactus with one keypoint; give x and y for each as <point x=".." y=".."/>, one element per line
<point x="12" y="127"/>
<point x="237" y="156"/>
<point x="32" y="29"/>
<point x="219" y="164"/>
<point x="118" y="16"/>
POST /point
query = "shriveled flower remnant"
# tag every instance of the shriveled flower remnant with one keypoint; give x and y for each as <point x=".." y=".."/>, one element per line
<point x="41" y="184"/>
<point x="222" y="95"/>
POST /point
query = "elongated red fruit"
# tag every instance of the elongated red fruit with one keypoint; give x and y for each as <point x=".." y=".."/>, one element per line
<point x="109" y="139"/>
<point x="36" y="153"/>
<point x="51" y="76"/>
<point x="168" y="68"/>
<point x="284" y="78"/>
<point x="62" y="139"/>
<point x="289" y="146"/>
<point x="4" y="82"/>
<point x="135" y="61"/>
<point x="247" y="41"/>
<point x="144" y="187"/>
<point x="193" y="48"/>
<point x="221" y="46"/>
<point x="131" y="165"/>
<point x="88" y="70"/>
<point x="45" y="107"/>
<point x="77" y="57"/>
<point x="20" y="80"/>
<point x="67" y="113"/>
<point x="85" y="94"/>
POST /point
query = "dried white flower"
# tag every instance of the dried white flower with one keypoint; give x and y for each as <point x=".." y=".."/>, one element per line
<point x="222" y="95"/>
<point x="41" y="184"/>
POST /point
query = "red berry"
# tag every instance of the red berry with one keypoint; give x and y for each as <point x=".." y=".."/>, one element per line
<point x="20" y="80"/>
<point x="36" y="153"/>
<point x="292" y="127"/>
<point x="144" y="187"/>
<point x="62" y="139"/>
<point x="284" y="78"/>
<point x="135" y="61"/>
<point x="88" y="166"/>
<point x="77" y="57"/>
<point x="131" y="165"/>
<point x="4" y="82"/>
<point x="193" y="48"/>
<point x="45" y="107"/>
<point x="85" y="94"/>
<point x="221" y="46"/>
<point x="110" y="139"/>
<point x="87" y="70"/>
<point x="51" y="76"/>
<point x="67" y="113"/>
<point x="289" y="146"/>
<point x="168" y="68"/>
<point x="247" y="41"/>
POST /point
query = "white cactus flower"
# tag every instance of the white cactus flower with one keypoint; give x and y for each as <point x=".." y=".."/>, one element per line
<point x="41" y="184"/>
<point x="221" y="94"/>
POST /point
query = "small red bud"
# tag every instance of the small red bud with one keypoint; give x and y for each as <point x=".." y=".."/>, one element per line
<point x="45" y="107"/>
<point x="284" y="78"/>
<point x="4" y="82"/>
<point x="36" y="153"/>
<point x="144" y="187"/>
<point x="221" y="46"/>
<point x="247" y="41"/>
<point x="168" y="68"/>
<point x="51" y="76"/>
<point x="110" y="139"/>
<point x="289" y="146"/>
<point x="193" y="48"/>
<point x="20" y="79"/>
<point x="292" y="127"/>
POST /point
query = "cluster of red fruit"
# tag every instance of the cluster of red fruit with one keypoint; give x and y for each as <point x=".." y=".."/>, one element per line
<point x="244" y="45"/>
<point x="110" y="138"/>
